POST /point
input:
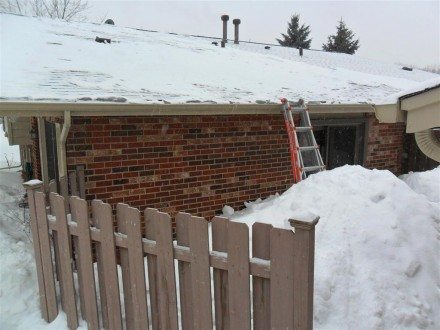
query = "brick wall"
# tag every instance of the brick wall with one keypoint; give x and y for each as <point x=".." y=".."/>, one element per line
<point x="385" y="144"/>
<point x="197" y="164"/>
<point x="187" y="163"/>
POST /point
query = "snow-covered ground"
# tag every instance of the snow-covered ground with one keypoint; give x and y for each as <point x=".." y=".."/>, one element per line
<point x="8" y="154"/>
<point x="51" y="60"/>
<point x="377" y="249"/>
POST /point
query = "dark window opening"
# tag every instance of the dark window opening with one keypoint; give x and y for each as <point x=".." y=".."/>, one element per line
<point x="341" y="144"/>
<point x="51" y="150"/>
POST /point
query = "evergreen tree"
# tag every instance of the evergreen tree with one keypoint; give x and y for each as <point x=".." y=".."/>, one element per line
<point x="343" y="41"/>
<point x="296" y="35"/>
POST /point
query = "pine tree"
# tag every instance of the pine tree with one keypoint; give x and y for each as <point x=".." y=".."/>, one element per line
<point x="296" y="35"/>
<point x="342" y="41"/>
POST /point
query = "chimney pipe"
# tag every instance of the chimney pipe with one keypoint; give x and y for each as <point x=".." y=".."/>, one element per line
<point x="225" y="19"/>
<point x="236" y="22"/>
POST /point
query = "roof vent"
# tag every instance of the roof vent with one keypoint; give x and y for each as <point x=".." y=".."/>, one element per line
<point x="225" y="19"/>
<point x="109" y="21"/>
<point x="406" y="68"/>
<point x="266" y="47"/>
<point x="236" y="22"/>
<point x="103" y="40"/>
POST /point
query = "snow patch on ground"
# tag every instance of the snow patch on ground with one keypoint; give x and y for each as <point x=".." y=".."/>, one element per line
<point x="425" y="183"/>
<point x="377" y="248"/>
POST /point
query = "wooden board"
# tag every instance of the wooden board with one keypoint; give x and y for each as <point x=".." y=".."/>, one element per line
<point x="80" y="215"/>
<point x="108" y="277"/>
<point x="149" y="216"/>
<point x="137" y="269"/>
<point x="238" y="276"/>
<point x="73" y="184"/>
<point x="46" y="256"/>
<point x="200" y="273"/>
<point x="261" y="286"/>
<point x="165" y="278"/>
<point x="220" y="244"/>
<point x="125" y="268"/>
<point x="184" y="272"/>
<point x="281" y="278"/>
<point x="65" y="251"/>
<point x="37" y="251"/>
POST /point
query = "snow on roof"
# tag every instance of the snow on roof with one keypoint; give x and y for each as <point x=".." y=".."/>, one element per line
<point x="51" y="60"/>
<point x="419" y="88"/>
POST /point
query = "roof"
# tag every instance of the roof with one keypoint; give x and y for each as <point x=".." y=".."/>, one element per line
<point x="54" y="61"/>
<point x="417" y="89"/>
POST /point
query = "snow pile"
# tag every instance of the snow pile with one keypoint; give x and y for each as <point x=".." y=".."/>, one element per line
<point x="425" y="183"/>
<point x="51" y="60"/>
<point x="377" y="248"/>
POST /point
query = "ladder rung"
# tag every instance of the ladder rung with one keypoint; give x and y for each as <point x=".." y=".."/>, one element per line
<point x="308" y="148"/>
<point x="303" y="128"/>
<point x="298" y="110"/>
<point x="313" y="168"/>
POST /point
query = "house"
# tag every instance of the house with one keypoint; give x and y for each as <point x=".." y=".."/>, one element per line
<point x="178" y="122"/>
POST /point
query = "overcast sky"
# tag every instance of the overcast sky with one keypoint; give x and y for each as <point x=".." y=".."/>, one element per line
<point x="404" y="32"/>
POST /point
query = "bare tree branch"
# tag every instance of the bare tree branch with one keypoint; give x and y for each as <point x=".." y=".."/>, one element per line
<point x="63" y="9"/>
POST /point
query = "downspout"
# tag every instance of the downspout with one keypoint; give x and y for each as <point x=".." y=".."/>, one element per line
<point x="62" y="159"/>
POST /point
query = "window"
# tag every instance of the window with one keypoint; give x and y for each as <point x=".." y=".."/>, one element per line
<point x="340" y="142"/>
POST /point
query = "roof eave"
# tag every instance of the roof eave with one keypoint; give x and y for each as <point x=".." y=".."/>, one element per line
<point x="44" y="109"/>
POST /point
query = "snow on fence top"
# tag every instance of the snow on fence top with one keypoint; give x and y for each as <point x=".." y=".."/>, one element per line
<point x="51" y="60"/>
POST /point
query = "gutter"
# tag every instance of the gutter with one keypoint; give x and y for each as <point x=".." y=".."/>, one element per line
<point x="57" y="109"/>
<point x="61" y="144"/>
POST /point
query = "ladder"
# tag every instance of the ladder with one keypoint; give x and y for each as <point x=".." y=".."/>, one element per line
<point x="304" y="151"/>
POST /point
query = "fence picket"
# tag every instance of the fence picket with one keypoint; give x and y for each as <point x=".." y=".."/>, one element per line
<point x="81" y="181"/>
<point x="73" y="184"/>
<point x="97" y="217"/>
<point x="37" y="251"/>
<point x="238" y="276"/>
<point x="65" y="253"/>
<point x="303" y="273"/>
<point x="200" y="273"/>
<point x="137" y="270"/>
<point x="80" y="215"/>
<point x="121" y="216"/>
<point x="220" y="244"/>
<point x="281" y="278"/>
<point x="149" y="215"/>
<point x="261" y="286"/>
<point x="64" y="191"/>
<point x="165" y="295"/>
<point x="107" y="267"/>
<point x="184" y="272"/>
<point x="46" y="256"/>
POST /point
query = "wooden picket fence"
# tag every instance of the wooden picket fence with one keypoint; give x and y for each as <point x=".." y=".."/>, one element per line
<point x="273" y="289"/>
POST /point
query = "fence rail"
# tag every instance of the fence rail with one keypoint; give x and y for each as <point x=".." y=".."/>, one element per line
<point x="136" y="284"/>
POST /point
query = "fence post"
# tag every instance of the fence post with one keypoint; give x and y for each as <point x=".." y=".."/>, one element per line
<point x="48" y="306"/>
<point x="303" y="270"/>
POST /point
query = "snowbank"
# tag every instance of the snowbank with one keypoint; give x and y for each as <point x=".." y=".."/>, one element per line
<point x="425" y="183"/>
<point x="377" y="248"/>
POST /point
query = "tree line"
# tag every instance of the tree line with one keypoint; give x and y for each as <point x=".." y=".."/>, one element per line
<point x="297" y="35"/>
